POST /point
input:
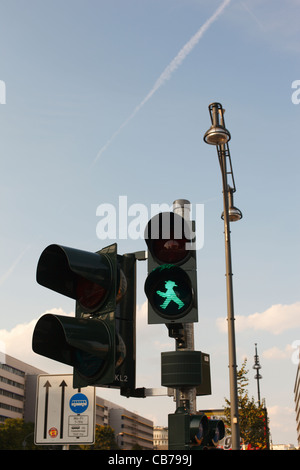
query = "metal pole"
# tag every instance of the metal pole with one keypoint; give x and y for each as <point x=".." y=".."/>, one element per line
<point x="235" y="431"/>
<point x="187" y="395"/>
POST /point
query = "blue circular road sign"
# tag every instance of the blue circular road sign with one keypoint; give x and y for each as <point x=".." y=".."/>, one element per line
<point x="79" y="403"/>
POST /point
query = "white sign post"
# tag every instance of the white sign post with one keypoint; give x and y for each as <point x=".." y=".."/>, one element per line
<point x="64" y="415"/>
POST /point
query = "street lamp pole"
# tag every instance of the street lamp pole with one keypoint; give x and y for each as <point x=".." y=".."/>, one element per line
<point x="218" y="135"/>
<point x="230" y="317"/>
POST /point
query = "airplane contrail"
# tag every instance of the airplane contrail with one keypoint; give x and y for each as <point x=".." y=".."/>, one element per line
<point x="13" y="266"/>
<point x="168" y="72"/>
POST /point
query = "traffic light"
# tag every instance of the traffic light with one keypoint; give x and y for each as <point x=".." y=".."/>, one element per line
<point x="99" y="342"/>
<point x="171" y="285"/>
<point x="216" y="432"/>
<point x="186" y="431"/>
<point x="194" y="431"/>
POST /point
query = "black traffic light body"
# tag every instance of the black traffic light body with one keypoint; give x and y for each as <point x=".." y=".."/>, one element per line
<point x="186" y="431"/>
<point x="125" y="321"/>
<point x="171" y="285"/>
<point x="194" y="431"/>
<point x="100" y="341"/>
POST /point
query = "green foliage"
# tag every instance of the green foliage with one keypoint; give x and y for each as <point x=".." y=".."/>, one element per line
<point x="252" y="417"/>
<point x="104" y="439"/>
<point x="15" y="434"/>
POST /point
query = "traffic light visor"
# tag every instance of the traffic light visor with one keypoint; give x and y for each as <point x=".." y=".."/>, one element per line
<point x="84" y="344"/>
<point x="216" y="431"/>
<point x="198" y="428"/>
<point x="83" y="276"/>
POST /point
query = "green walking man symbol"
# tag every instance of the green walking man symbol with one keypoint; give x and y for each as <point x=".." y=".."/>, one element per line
<point x="170" y="295"/>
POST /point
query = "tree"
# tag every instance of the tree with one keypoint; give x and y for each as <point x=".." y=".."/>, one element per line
<point x="104" y="439"/>
<point x="15" y="434"/>
<point x="252" y="417"/>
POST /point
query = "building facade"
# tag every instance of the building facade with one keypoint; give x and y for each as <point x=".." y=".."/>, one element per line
<point x="160" y="438"/>
<point x="297" y="402"/>
<point x="131" y="429"/>
<point x="18" y="385"/>
<point x="18" y="382"/>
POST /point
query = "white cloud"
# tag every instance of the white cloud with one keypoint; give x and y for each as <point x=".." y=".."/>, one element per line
<point x="276" y="411"/>
<point x="141" y="315"/>
<point x="276" y="353"/>
<point x="154" y="338"/>
<point x="275" y="319"/>
<point x="18" y="343"/>
<point x="282" y="419"/>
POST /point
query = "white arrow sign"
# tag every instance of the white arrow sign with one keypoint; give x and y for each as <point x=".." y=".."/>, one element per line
<point x="64" y="415"/>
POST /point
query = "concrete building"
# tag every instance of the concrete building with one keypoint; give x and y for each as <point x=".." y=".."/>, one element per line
<point x="18" y="384"/>
<point x="160" y="438"/>
<point x="130" y="428"/>
<point x="17" y="389"/>
<point x="283" y="447"/>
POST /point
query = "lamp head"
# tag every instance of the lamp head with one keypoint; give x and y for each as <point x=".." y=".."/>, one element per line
<point x="217" y="134"/>
<point x="234" y="213"/>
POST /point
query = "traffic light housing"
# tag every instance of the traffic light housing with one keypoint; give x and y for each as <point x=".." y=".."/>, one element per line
<point x="194" y="431"/>
<point x="171" y="284"/>
<point x="100" y="341"/>
<point x="183" y="368"/>
<point x="186" y="431"/>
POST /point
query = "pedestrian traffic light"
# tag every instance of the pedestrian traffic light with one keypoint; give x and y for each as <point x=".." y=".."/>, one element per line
<point x="186" y="431"/>
<point x="171" y="285"/>
<point x="99" y="342"/>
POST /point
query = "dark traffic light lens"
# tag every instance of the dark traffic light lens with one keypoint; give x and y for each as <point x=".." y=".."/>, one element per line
<point x="168" y="237"/>
<point x="89" y="294"/>
<point x="87" y="364"/>
<point x="170" y="251"/>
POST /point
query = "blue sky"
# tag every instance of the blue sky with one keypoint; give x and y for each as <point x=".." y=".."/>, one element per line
<point x="75" y="72"/>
